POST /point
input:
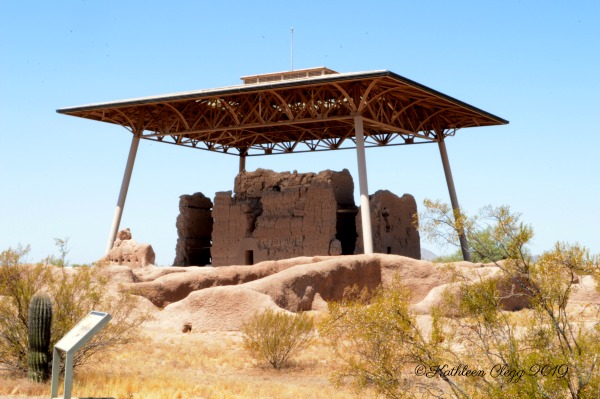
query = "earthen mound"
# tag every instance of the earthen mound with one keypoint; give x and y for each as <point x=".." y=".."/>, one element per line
<point x="217" y="308"/>
<point x="223" y="298"/>
<point x="163" y="286"/>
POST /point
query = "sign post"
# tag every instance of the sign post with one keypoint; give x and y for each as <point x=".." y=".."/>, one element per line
<point x="71" y="343"/>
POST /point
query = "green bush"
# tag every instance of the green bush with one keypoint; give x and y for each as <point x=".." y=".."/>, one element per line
<point x="472" y="347"/>
<point x="18" y="284"/>
<point x="277" y="336"/>
<point x="379" y="343"/>
<point x="492" y="235"/>
<point x="74" y="293"/>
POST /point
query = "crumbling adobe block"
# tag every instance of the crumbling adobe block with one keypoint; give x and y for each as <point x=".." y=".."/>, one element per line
<point x="127" y="251"/>
<point x="392" y="225"/>
<point x="194" y="230"/>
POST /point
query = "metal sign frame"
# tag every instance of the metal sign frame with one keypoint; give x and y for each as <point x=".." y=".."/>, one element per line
<point x="74" y="340"/>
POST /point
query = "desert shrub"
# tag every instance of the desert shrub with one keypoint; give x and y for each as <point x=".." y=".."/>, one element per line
<point x="18" y="284"/>
<point x="492" y="235"/>
<point x="482" y="247"/>
<point x="549" y="350"/>
<point x="380" y="344"/>
<point x="74" y="293"/>
<point x="455" y="256"/>
<point x="474" y="348"/>
<point x="277" y="336"/>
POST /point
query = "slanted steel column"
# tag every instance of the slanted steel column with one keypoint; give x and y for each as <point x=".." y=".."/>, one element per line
<point x="135" y="141"/>
<point x="453" y="199"/>
<point x="365" y="209"/>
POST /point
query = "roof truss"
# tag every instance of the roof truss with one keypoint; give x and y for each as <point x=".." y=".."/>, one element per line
<point x="296" y="116"/>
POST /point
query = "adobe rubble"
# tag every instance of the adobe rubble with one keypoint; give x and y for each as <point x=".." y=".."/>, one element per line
<point x="128" y="252"/>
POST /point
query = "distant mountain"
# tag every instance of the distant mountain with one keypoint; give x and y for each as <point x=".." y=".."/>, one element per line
<point x="427" y="254"/>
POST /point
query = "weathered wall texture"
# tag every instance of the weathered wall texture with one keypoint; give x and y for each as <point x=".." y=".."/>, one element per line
<point x="272" y="216"/>
<point x="392" y="225"/>
<point x="194" y="229"/>
<point x="279" y="215"/>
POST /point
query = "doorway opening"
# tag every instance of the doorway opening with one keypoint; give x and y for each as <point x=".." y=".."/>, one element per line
<point x="249" y="257"/>
<point x="346" y="229"/>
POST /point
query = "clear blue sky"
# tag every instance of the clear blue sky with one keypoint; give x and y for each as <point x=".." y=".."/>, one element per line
<point x="535" y="63"/>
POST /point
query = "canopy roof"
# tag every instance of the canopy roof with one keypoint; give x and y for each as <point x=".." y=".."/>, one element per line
<point x="306" y="114"/>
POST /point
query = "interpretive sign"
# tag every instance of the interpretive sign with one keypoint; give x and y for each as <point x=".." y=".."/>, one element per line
<point x="83" y="331"/>
<point x="71" y="343"/>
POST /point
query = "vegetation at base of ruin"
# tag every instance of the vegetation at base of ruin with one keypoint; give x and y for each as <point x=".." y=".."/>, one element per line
<point x="277" y="336"/>
<point x="195" y="365"/>
<point x="74" y="293"/>
<point x="379" y="342"/>
<point x="549" y="349"/>
<point x="473" y="348"/>
<point x="376" y="346"/>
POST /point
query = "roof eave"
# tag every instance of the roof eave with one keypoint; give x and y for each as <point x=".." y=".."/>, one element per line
<point x="238" y="89"/>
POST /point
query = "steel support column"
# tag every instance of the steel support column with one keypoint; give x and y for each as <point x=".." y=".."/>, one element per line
<point x="135" y="141"/>
<point x="242" y="163"/>
<point x="453" y="199"/>
<point x="365" y="209"/>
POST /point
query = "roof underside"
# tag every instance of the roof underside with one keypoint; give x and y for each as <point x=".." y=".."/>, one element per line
<point x="309" y="114"/>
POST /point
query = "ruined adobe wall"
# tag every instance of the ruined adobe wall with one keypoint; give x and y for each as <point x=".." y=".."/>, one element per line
<point x="232" y="220"/>
<point x="392" y="225"/>
<point x="279" y="215"/>
<point x="194" y="229"/>
<point x="274" y="216"/>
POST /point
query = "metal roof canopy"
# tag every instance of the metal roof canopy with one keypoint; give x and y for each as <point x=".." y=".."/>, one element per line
<point x="331" y="111"/>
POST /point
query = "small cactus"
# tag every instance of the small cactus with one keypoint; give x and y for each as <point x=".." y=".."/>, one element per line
<point x="40" y="320"/>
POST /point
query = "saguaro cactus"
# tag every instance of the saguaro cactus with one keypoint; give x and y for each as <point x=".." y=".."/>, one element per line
<point x="40" y="320"/>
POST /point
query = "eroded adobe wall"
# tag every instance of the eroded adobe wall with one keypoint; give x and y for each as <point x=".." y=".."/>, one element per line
<point x="194" y="230"/>
<point x="279" y="215"/>
<point x="272" y="216"/>
<point x="392" y="225"/>
<point x="231" y="225"/>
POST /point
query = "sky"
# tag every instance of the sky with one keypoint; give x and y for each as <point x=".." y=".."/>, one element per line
<point x="534" y="63"/>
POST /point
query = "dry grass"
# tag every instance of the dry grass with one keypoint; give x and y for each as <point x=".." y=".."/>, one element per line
<point x="194" y="365"/>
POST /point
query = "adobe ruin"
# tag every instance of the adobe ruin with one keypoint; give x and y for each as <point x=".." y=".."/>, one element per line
<point x="391" y="225"/>
<point x="194" y="230"/>
<point x="272" y="216"/>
